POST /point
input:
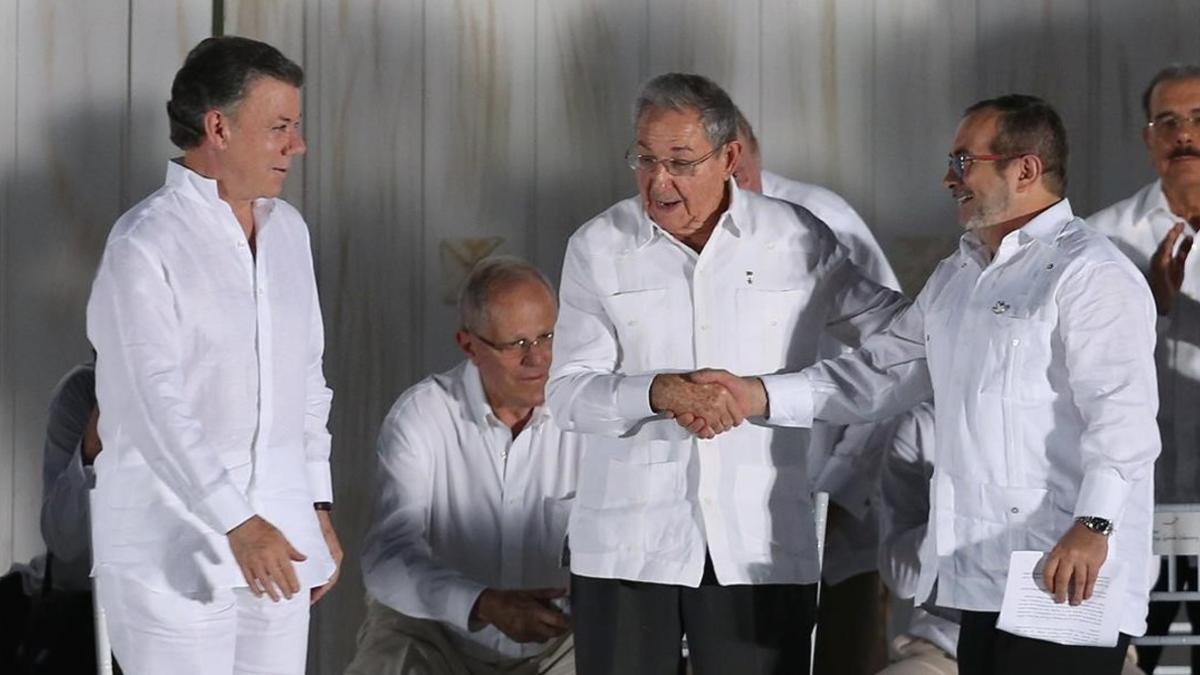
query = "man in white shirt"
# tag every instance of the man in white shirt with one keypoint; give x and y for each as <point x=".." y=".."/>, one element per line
<point x="842" y="460"/>
<point x="1155" y="228"/>
<point x="675" y="533"/>
<point x="211" y="525"/>
<point x="464" y="559"/>
<point x="1036" y="338"/>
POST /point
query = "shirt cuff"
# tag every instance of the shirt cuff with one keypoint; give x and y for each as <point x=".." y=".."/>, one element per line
<point x="633" y="397"/>
<point x="320" y="482"/>
<point x="1102" y="495"/>
<point x="789" y="399"/>
<point x="224" y="508"/>
<point x="460" y="600"/>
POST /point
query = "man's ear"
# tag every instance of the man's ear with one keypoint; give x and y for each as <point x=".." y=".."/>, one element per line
<point x="216" y="128"/>
<point x="1029" y="171"/>
<point x="463" y="338"/>
<point x="732" y="154"/>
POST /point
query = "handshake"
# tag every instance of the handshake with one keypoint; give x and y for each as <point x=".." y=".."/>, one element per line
<point x="708" y="402"/>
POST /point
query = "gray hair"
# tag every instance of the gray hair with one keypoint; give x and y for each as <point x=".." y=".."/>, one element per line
<point x="1173" y="72"/>
<point x="487" y="275"/>
<point x="684" y="91"/>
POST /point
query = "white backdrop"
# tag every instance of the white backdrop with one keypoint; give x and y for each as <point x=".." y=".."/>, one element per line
<point x="438" y="127"/>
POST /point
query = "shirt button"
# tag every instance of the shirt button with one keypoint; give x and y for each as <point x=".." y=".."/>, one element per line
<point x="703" y="326"/>
<point x="1015" y="510"/>
<point x="771" y="247"/>
<point x="633" y="322"/>
<point x="1016" y="341"/>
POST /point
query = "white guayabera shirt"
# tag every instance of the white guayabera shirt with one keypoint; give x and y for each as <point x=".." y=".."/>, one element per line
<point x="635" y="302"/>
<point x="1137" y="225"/>
<point x="208" y="373"/>
<point x="1041" y="364"/>
<point x="462" y="506"/>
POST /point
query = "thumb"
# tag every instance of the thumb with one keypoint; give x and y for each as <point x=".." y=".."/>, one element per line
<point x="295" y="555"/>
<point x="708" y="376"/>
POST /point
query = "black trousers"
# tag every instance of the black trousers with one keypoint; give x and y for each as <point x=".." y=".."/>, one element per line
<point x="634" y="628"/>
<point x="1158" y="621"/>
<point x="985" y="650"/>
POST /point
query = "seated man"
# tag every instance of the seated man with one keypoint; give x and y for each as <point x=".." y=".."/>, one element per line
<point x="464" y="559"/>
<point x="60" y="632"/>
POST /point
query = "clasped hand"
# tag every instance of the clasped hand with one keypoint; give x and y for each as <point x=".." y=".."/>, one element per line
<point x="708" y="402"/>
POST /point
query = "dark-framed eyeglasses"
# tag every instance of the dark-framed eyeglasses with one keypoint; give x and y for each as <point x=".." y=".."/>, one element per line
<point x="520" y="346"/>
<point x="1169" y="124"/>
<point x="960" y="162"/>
<point x="673" y="165"/>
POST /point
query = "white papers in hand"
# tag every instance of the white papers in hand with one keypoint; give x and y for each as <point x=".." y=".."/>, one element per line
<point x="1029" y="610"/>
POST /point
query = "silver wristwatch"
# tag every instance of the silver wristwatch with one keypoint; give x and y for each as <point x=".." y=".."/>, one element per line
<point x="1102" y="526"/>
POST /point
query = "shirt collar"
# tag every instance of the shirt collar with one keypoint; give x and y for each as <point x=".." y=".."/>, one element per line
<point x="735" y="218"/>
<point x="1153" y="203"/>
<point x="204" y="189"/>
<point x="1044" y="228"/>
<point x="478" y="408"/>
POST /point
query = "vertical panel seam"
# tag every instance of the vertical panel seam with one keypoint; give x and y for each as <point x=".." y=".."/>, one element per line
<point x="531" y="246"/>
<point x="6" y="325"/>
<point x="420" y="270"/>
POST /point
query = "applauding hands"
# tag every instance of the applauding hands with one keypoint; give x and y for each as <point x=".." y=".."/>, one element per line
<point x="708" y="402"/>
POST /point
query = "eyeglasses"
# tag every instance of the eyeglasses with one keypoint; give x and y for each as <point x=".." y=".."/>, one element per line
<point x="960" y="162"/>
<point x="1168" y="125"/>
<point x="675" y="167"/>
<point x="520" y="346"/>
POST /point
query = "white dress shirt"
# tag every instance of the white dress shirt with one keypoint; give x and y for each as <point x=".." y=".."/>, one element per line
<point x="209" y="377"/>
<point x="1137" y="225"/>
<point x="635" y="302"/>
<point x="903" y="519"/>
<point x="462" y="506"/>
<point x="844" y="460"/>
<point x="1041" y="364"/>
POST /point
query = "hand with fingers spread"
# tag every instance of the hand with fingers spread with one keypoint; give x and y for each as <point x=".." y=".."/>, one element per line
<point x="748" y="392"/>
<point x="704" y="409"/>
<point x="1073" y="564"/>
<point x="335" y="550"/>
<point x="1166" y="268"/>
<point x="523" y="615"/>
<point x="265" y="557"/>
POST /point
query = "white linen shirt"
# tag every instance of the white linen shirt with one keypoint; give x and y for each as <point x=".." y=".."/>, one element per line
<point x="1041" y="366"/>
<point x="1137" y="225"/>
<point x="462" y="506"/>
<point x="635" y="302"/>
<point x="208" y="374"/>
<point x="844" y="460"/>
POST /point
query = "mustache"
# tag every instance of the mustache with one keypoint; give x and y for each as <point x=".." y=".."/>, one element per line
<point x="1185" y="151"/>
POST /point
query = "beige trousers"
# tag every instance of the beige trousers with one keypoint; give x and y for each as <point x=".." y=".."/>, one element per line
<point x="390" y="643"/>
<point x="920" y="657"/>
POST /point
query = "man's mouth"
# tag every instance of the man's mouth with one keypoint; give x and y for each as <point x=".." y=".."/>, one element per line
<point x="280" y="170"/>
<point x="963" y="197"/>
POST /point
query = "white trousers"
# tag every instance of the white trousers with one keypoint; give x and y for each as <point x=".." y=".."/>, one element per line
<point x="231" y="633"/>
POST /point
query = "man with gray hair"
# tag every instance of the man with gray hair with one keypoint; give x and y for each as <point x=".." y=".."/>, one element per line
<point x="464" y="558"/>
<point x="677" y="531"/>
<point x="1155" y="228"/>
